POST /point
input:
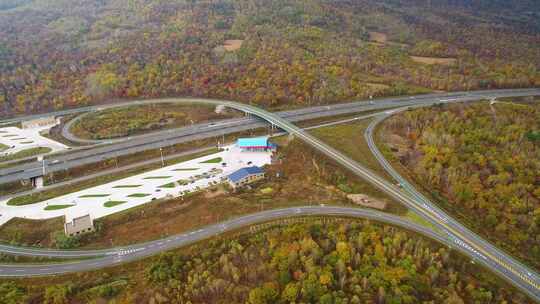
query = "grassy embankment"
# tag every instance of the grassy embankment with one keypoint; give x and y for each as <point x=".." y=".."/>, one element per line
<point x="26" y="153"/>
<point x="138" y="119"/>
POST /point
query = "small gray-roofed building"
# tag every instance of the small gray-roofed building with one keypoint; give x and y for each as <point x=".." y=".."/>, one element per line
<point x="245" y="176"/>
<point x="79" y="225"/>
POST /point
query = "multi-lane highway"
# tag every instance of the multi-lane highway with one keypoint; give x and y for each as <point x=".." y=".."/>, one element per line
<point x="157" y="140"/>
<point x="460" y="238"/>
<point x="124" y="146"/>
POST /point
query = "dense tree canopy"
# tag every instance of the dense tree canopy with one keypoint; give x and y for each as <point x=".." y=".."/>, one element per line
<point x="485" y="161"/>
<point x="56" y="54"/>
<point x="358" y="262"/>
<point x="319" y="261"/>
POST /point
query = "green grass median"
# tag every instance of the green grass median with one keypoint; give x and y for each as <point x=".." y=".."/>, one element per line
<point x="212" y="160"/>
<point x="113" y="203"/>
<point x="57" y="207"/>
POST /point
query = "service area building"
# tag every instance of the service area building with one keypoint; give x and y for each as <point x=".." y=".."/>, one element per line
<point x="245" y="176"/>
<point x="78" y="225"/>
<point x="256" y="144"/>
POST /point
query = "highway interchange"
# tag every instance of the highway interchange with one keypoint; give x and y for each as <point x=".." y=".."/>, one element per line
<point x="454" y="234"/>
<point x="130" y="145"/>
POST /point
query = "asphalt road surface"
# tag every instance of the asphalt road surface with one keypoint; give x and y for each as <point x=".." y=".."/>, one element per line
<point x="113" y="256"/>
<point x="165" y="138"/>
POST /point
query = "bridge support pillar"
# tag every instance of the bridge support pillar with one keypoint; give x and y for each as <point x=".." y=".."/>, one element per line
<point x="37" y="182"/>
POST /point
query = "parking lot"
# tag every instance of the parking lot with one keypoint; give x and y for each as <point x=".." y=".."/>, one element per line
<point x="170" y="181"/>
<point x="15" y="140"/>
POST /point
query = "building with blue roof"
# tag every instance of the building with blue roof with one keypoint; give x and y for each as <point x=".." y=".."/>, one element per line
<point x="245" y="176"/>
<point x="255" y="144"/>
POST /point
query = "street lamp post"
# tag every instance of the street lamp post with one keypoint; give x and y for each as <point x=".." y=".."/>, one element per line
<point x="162" y="160"/>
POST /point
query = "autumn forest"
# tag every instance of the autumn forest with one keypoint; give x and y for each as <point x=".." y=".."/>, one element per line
<point x="59" y="54"/>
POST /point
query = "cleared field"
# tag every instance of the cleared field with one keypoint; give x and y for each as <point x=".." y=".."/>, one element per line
<point x="434" y="60"/>
<point x="232" y="45"/>
<point x="378" y="37"/>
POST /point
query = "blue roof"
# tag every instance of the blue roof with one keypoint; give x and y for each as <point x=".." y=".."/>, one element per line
<point x="253" y="142"/>
<point x="240" y="174"/>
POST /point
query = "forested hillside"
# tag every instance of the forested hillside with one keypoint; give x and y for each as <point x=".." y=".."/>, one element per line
<point x="66" y="53"/>
<point x="484" y="161"/>
<point x="333" y="263"/>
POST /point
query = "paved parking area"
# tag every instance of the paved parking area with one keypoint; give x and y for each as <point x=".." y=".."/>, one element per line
<point x="17" y="140"/>
<point x="170" y="181"/>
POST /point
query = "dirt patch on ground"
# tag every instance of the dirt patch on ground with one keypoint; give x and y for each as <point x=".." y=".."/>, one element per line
<point x="434" y="60"/>
<point x="214" y="192"/>
<point x="232" y="45"/>
<point x="366" y="201"/>
<point x="378" y="37"/>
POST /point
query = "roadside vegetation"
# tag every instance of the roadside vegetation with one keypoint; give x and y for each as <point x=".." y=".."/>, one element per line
<point x="134" y="120"/>
<point x="479" y="162"/>
<point x="319" y="261"/>
<point x="212" y="160"/>
<point x="25" y="153"/>
<point x="349" y="139"/>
